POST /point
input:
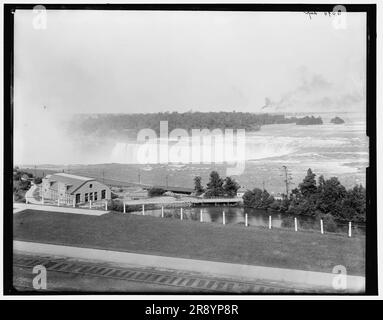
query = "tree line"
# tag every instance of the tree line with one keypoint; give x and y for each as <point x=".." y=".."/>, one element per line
<point x="217" y="187"/>
<point x="326" y="198"/>
<point x="130" y="124"/>
<point x="308" y="121"/>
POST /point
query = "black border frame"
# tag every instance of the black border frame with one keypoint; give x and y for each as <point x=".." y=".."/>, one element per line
<point x="371" y="172"/>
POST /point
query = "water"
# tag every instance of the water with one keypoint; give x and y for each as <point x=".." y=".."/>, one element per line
<point x="328" y="149"/>
<point x="256" y="218"/>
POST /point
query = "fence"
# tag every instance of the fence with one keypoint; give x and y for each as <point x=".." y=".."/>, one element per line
<point x="289" y="223"/>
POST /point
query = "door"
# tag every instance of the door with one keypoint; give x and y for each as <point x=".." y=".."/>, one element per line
<point x="78" y="197"/>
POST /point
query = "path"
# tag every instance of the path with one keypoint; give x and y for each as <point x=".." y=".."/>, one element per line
<point x="29" y="195"/>
<point x="235" y="271"/>
<point x="17" y="207"/>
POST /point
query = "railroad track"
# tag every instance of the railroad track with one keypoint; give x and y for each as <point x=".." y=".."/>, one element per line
<point x="163" y="278"/>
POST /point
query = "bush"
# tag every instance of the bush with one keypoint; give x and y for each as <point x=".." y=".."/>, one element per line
<point x="116" y="205"/>
<point x="329" y="223"/>
<point x="24" y="185"/>
<point x="156" y="192"/>
<point x="19" y="196"/>
<point x="276" y="205"/>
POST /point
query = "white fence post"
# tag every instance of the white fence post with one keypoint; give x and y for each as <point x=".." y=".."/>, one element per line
<point x="201" y="219"/>
<point x="124" y="207"/>
<point x="143" y="209"/>
<point x="74" y="203"/>
<point x="246" y="224"/>
<point x="182" y="214"/>
<point x="223" y="218"/>
<point x="349" y="229"/>
<point x="90" y="204"/>
<point x="296" y="224"/>
<point x="162" y="211"/>
<point x="42" y="199"/>
<point x="106" y="205"/>
<point x="321" y="226"/>
<point x="58" y="202"/>
<point x="269" y="222"/>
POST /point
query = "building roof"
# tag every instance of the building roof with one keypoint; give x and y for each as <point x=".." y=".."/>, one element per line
<point x="72" y="181"/>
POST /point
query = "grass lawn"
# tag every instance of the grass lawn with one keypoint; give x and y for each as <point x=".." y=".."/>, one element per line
<point x="192" y="239"/>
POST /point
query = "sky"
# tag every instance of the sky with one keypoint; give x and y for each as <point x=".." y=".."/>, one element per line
<point x="131" y="61"/>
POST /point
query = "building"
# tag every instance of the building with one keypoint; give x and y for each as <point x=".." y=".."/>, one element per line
<point x="69" y="189"/>
<point x="240" y="192"/>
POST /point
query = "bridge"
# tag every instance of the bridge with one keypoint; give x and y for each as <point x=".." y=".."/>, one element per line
<point x="215" y="201"/>
<point x="187" y="201"/>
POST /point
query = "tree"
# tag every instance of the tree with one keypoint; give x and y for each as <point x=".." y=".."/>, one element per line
<point x="198" y="186"/>
<point x="330" y="196"/>
<point x="230" y="187"/>
<point x="354" y="204"/>
<point x="248" y="199"/>
<point x="214" y="186"/>
<point x="253" y="198"/>
<point x="308" y="186"/>
<point x="266" y="199"/>
<point x="284" y="205"/>
<point x="304" y="197"/>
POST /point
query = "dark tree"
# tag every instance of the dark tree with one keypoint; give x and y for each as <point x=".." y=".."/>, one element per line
<point x="330" y="196"/>
<point x="308" y="186"/>
<point x="266" y="199"/>
<point x="214" y="186"/>
<point x="198" y="186"/>
<point x="230" y="187"/>
<point x="253" y="198"/>
<point x="354" y="204"/>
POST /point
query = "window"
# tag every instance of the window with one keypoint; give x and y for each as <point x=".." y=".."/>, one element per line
<point x="86" y="197"/>
<point x="102" y="194"/>
<point x="91" y="185"/>
<point x="95" y="196"/>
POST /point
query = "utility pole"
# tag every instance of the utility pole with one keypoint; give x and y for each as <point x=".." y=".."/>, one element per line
<point x="263" y="184"/>
<point x="139" y="176"/>
<point x="167" y="181"/>
<point x="287" y="180"/>
<point x="103" y="176"/>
